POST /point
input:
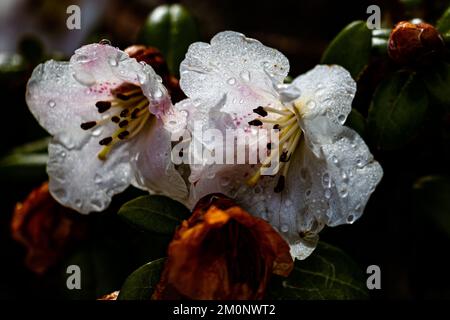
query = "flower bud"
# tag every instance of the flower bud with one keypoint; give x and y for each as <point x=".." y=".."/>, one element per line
<point x="222" y="252"/>
<point x="410" y="43"/>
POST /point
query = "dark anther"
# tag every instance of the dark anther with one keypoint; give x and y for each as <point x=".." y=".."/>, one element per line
<point x="124" y="113"/>
<point x="260" y="110"/>
<point x="269" y="146"/>
<point x="122" y="96"/>
<point x="123" y="135"/>
<point x="255" y="122"/>
<point x="135" y="113"/>
<point x="280" y="185"/>
<point x="123" y="123"/>
<point x="103" y="106"/>
<point x="105" y="141"/>
<point x="115" y="119"/>
<point x="276" y="127"/>
<point x="284" y="157"/>
<point x="88" y="125"/>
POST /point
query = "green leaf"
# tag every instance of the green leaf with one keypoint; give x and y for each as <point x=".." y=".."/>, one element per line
<point x="327" y="274"/>
<point x="356" y="121"/>
<point x="141" y="283"/>
<point x="154" y="213"/>
<point x="437" y="81"/>
<point x="431" y="198"/>
<point x="443" y="24"/>
<point x="397" y="110"/>
<point x="171" y="29"/>
<point x="26" y="162"/>
<point x="351" y="48"/>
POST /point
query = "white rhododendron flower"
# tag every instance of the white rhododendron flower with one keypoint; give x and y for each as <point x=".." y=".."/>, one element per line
<point x="108" y="116"/>
<point x="326" y="172"/>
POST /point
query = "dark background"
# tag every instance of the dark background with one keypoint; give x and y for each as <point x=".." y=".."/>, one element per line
<point x="411" y="251"/>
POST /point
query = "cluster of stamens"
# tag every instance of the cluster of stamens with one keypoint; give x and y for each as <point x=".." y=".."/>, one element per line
<point x="285" y="121"/>
<point x="128" y="109"/>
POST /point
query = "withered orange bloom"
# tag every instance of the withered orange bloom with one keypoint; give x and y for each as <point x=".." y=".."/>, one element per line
<point x="222" y="252"/>
<point x="45" y="228"/>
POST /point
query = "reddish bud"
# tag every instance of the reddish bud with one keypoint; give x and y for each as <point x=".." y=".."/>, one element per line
<point x="410" y="43"/>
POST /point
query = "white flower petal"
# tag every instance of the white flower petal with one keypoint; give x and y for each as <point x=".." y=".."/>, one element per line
<point x="326" y="90"/>
<point x="62" y="95"/>
<point x="153" y="166"/>
<point x="238" y="69"/>
<point x="78" y="179"/>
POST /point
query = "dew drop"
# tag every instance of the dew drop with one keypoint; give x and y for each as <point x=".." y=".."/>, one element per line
<point x="344" y="176"/>
<point x="350" y="218"/>
<point x="308" y="193"/>
<point x="98" y="178"/>
<point x="341" y="118"/>
<point x="113" y="61"/>
<point x="82" y="58"/>
<point x="225" y="181"/>
<point x="284" y="228"/>
<point x="311" y="104"/>
<point x="231" y="81"/>
<point x="51" y="103"/>
<point x="359" y="163"/>
<point x="327" y="193"/>
<point x="326" y="179"/>
<point x="343" y="193"/>
<point x="105" y="42"/>
<point x="142" y="78"/>
<point x="158" y="94"/>
<point x="84" y="78"/>
<point x="241" y="101"/>
<point x="245" y="75"/>
<point x="60" y="194"/>
<point x="78" y="203"/>
<point x="334" y="159"/>
<point x="97" y="132"/>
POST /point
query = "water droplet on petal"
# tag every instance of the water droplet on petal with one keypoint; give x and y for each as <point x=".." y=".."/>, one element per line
<point x="97" y="132"/>
<point x="344" y="176"/>
<point x="284" y="228"/>
<point x="158" y="94"/>
<point x="51" y="103"/>
<point x="78" y="203"/>
<point x="231" y="81"/>
<point x="113" y="61"/>
<point x="245" y="75"/>
<point x="98" y="178"/>
<point x="105" y="42"/>
<point x="308" y="193"/>
<point x="82" y="58"/>
<point x="241" y="101"/>
<point x="311" y="104"/>
<point x="327" y="193"/>
<point x="142" y="77"/>
<point x="60" y="194"/>
<point x="326" y="179"/>
<point x="343" y="193"/>
<point x="359" y="162"/>
<point x="334" y="159"/>
<point x="225" y="181"/>
<point x="350" y="218"/>
<point x="84" y="78"/>
<point x="341" y="118"/>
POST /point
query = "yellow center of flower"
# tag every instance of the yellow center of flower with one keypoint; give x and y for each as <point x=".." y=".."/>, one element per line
<point x="128" y="109"/>
<point x="286" y="120"/>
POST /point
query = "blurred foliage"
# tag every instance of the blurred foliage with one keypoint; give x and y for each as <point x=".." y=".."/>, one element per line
<point x="171" y="29"/>
<point x="351" y="48"/>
